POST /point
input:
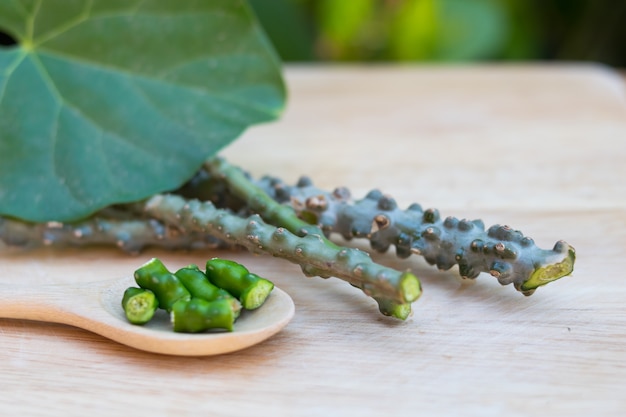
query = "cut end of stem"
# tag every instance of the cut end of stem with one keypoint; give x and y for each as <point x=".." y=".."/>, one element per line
<point x="410" y="286"/>
<point x="139" y="305"/>
<point x="390" y="308"/>
<point x="548" y="273"/>
<point x="256" y="295"/>
<point x="236" y="307"/>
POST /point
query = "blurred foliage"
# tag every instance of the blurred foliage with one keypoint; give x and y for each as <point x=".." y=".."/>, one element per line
<point x="446" y="30"/>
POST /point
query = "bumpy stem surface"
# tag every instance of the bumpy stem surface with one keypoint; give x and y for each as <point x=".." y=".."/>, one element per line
<point x="236" y="184"/>
<point x="306" y="216"/>
<point x="501" y="251"/>
<point x="129" y="235"/>
<point x="310" y="251"/>
<point x="258" y="201"/>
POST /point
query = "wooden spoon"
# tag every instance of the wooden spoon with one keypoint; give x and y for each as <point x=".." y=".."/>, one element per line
<point x="96" y="306"/>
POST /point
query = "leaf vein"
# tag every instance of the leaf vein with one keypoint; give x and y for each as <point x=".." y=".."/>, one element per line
<point x="56" y="164"/>
<point x="165" y="115"/>
<point x="45" y="76"/>
<point x="30" y="22"/>
<point x="9" y="72"/>
<point x="122" y="71"/>
<point x="82" y="17"/>
<point x="59" y="98"/>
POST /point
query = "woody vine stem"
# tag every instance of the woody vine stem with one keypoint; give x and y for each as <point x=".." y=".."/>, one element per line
<point x="224" y="207"/>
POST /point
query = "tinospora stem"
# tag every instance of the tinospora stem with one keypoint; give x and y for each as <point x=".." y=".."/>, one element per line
<point x="258" y="201"/>
<point x="311" y="251"/>
<point x="129" y="235"/>
<point x="499" y="250"/>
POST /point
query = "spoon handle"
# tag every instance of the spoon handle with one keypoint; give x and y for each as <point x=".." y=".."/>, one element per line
<point x="59" y="303"/>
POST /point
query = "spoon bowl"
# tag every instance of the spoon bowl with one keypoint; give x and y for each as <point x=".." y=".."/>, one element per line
<point x="96" y="306"/>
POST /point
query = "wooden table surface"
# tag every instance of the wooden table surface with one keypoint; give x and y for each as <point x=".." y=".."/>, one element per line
<point x="540" y="148"/>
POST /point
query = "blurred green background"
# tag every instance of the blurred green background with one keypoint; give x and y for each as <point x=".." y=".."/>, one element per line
<point x="446" y="30"/>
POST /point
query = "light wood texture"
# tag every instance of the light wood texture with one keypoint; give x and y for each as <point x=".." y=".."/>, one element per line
<point x="95" y="306"/>
<point x="541" y="148"/>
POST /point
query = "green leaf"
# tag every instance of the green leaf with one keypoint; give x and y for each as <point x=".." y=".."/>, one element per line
<point x="110" y="101"/>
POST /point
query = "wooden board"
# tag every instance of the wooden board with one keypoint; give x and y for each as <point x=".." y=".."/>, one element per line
<point x="541" y="148"/>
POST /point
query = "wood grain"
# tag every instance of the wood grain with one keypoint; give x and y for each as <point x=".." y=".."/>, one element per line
<point x="540" y="148"/>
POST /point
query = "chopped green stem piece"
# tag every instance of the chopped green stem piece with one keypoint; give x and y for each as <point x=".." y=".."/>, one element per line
<point x="153" y="275"/>
<point x="311" y="252"/>
<point x="257" y="292"/>
<point x="197" y="315"/>
<point x="199" y="286"/>
<point x="139" y="305"/>
<point x="251" y="289"/>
